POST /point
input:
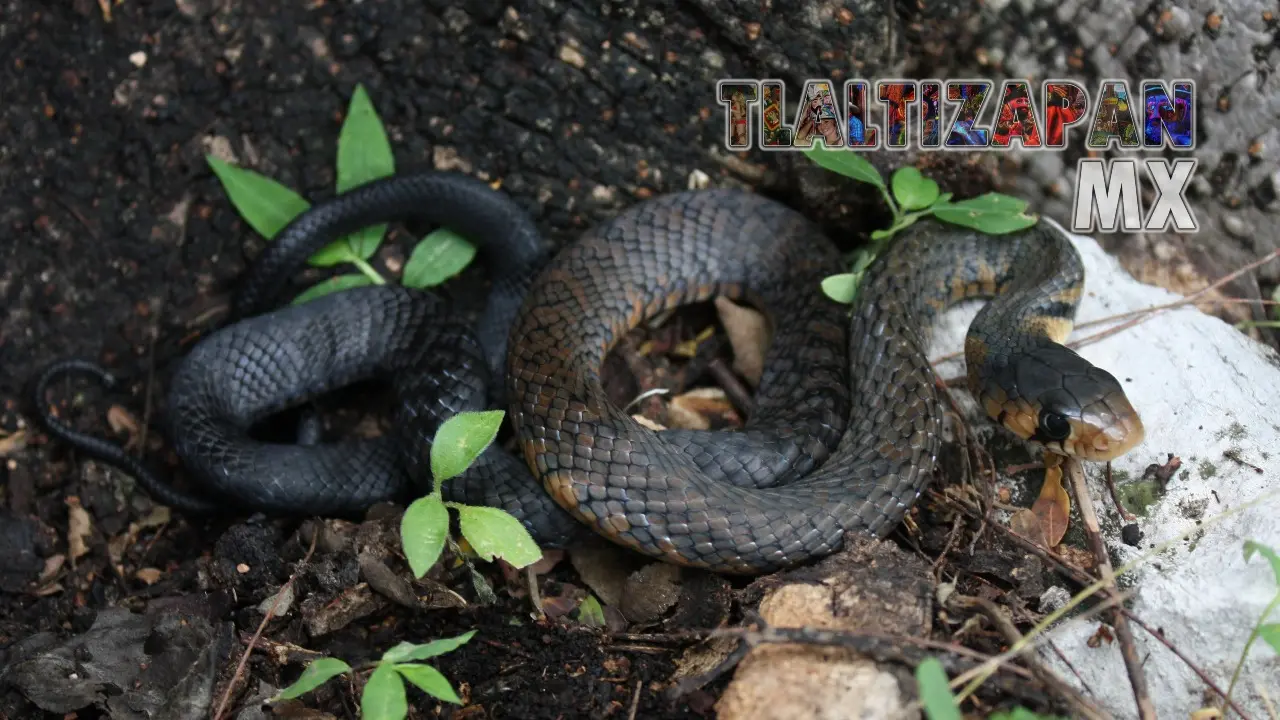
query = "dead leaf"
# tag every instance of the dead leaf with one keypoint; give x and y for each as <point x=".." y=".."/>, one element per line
<point x="13" y="444"/>
<point x="1053" y="507"/>
<point x="710" y="403"/>
<point x="122" y="421"/>
<point x="749" y="336"/>
<point x="647" y="422"/>
<point x="79" y="528"/>
<point x="682" y="415"/>
<point x="149" y="575"/>
<point x="1103" y="634"/>
<point x="1206" y="713"/>
<point x="1027" y="524"/>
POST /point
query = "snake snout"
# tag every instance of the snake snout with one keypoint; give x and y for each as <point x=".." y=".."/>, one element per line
<point x="1103" y="424"/>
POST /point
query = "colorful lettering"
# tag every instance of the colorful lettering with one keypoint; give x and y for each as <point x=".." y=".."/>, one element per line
<point x="1065" y="104"/>
<point x="1113" y="121"/>
<point x="817" y="118"/>
<point x="896" y="96"/>
<point x="930" y="114"/>
<point x="775" y="134"/>
<point x="737" y="97"/>
<point x="972" y="97"/>
<point x="1016" y="117"/>
<point x="1176" y="117"/>
<point x="862" y="134"/>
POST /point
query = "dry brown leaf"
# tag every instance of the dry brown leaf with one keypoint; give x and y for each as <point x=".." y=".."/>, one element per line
<point x="1053" y="507"/>
<point x="122" y="421"/>
<point x="1027" y="524"/>
<point x="149" y="575"/>
<point x="52" y="566"/>
<point x="79" y="527"/>
<point x="647" y="422"/>
<point x="749" y="336"/>
<point x="13" y="444"/>
<point x="683" y="413"/>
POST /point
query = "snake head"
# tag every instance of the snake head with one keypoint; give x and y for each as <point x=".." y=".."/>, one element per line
<point x="1053" y="398"/>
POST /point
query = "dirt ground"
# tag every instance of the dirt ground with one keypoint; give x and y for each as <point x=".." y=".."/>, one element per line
<point x="120" y="246"/>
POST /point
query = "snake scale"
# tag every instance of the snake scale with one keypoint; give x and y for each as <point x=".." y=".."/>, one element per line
<point x="846" y="429"/>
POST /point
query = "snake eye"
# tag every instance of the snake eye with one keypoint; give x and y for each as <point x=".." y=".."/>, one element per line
<point x="1054" y="426"/>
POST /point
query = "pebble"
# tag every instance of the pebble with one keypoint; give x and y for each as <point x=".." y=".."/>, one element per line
<point x="1234" y="225"/>
<point x="138" y="59"/>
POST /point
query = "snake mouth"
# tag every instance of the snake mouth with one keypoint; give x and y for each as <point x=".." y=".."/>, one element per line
<point x="1103" y="431"/>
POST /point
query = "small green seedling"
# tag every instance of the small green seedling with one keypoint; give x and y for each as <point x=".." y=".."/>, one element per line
<point x="491" y="532"/>
<point x="1267" y="632"/>
<point x="384" y="695"/>
<point x="364" y="155"/>
<point x="911" y="196"/>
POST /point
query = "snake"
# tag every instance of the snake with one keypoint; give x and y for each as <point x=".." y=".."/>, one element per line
<point x="846" y="426"/>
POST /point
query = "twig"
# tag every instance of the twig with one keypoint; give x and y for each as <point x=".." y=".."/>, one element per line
<point x="738" y="393"/>
<point x="1115" y="497"/>
<point x="1080" y="576"/>
<point x="1046" y="676"/>
<point x="153" y="334"/>
<point x="271" y="611"/>
<point x="1146" y="709"/>
<point x="951" y="539"/>
<point x="635" y="701"/>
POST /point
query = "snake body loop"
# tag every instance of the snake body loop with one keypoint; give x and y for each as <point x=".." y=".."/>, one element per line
<point x="846" y="428"/>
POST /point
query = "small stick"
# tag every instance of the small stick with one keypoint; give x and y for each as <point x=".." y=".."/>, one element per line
<point x="738" y="393"/>
<point x="635" y="701"/>
<point x="1080" y="576"/>
<point x="1115" y="497"/>
<point x="1042" y="673"/>
<point x="1146" y="709"/>
<point x="271" y="611"/>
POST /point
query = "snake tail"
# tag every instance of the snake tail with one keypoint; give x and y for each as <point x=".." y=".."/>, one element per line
<point x="106" y="451"/>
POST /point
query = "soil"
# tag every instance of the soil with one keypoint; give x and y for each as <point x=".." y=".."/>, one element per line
<point x="121" y="246"/>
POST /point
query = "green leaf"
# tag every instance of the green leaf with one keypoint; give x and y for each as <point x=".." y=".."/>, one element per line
<point x="842" y="287"/>
<point x="913" y="190"/>
<point x="848" y="163"/>
<point x="935" y="694"/>
<point x="460" y="440"/>
<point x="992" y="222"/>
<point x="943" y="199"/>
<point x="405" y="652"/>
<point x="332" y="285"/>
<point x="1250" y="547"/>
<point x="436" y="258"/>
<point x="364" y="154"/>
<point x="994" y="202"/>
<point x="384" y="697"/>
<point x="423" y="529"/>
<point x="1271" y="634"/>
<point x="881" y="234"/>
<point x="316" y="674"/>
<point x="590" y="613"/>
<point x="493" y="532"/>
<point x="264" y="203"/>
<point x="430" y="680"/>
<point x="1021" y="713"/>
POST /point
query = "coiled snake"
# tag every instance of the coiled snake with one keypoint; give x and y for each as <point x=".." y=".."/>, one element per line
<point x="847" y="424"/>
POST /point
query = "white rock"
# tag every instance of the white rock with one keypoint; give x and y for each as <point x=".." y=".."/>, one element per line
<point x="1202" y="389"/>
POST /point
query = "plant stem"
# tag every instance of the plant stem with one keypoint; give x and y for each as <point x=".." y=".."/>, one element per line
<point x="1257" y="323"/>
<point x="1262" y="619"/>
<point x="888" y="198"/>
<point x="364" y="267"/>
